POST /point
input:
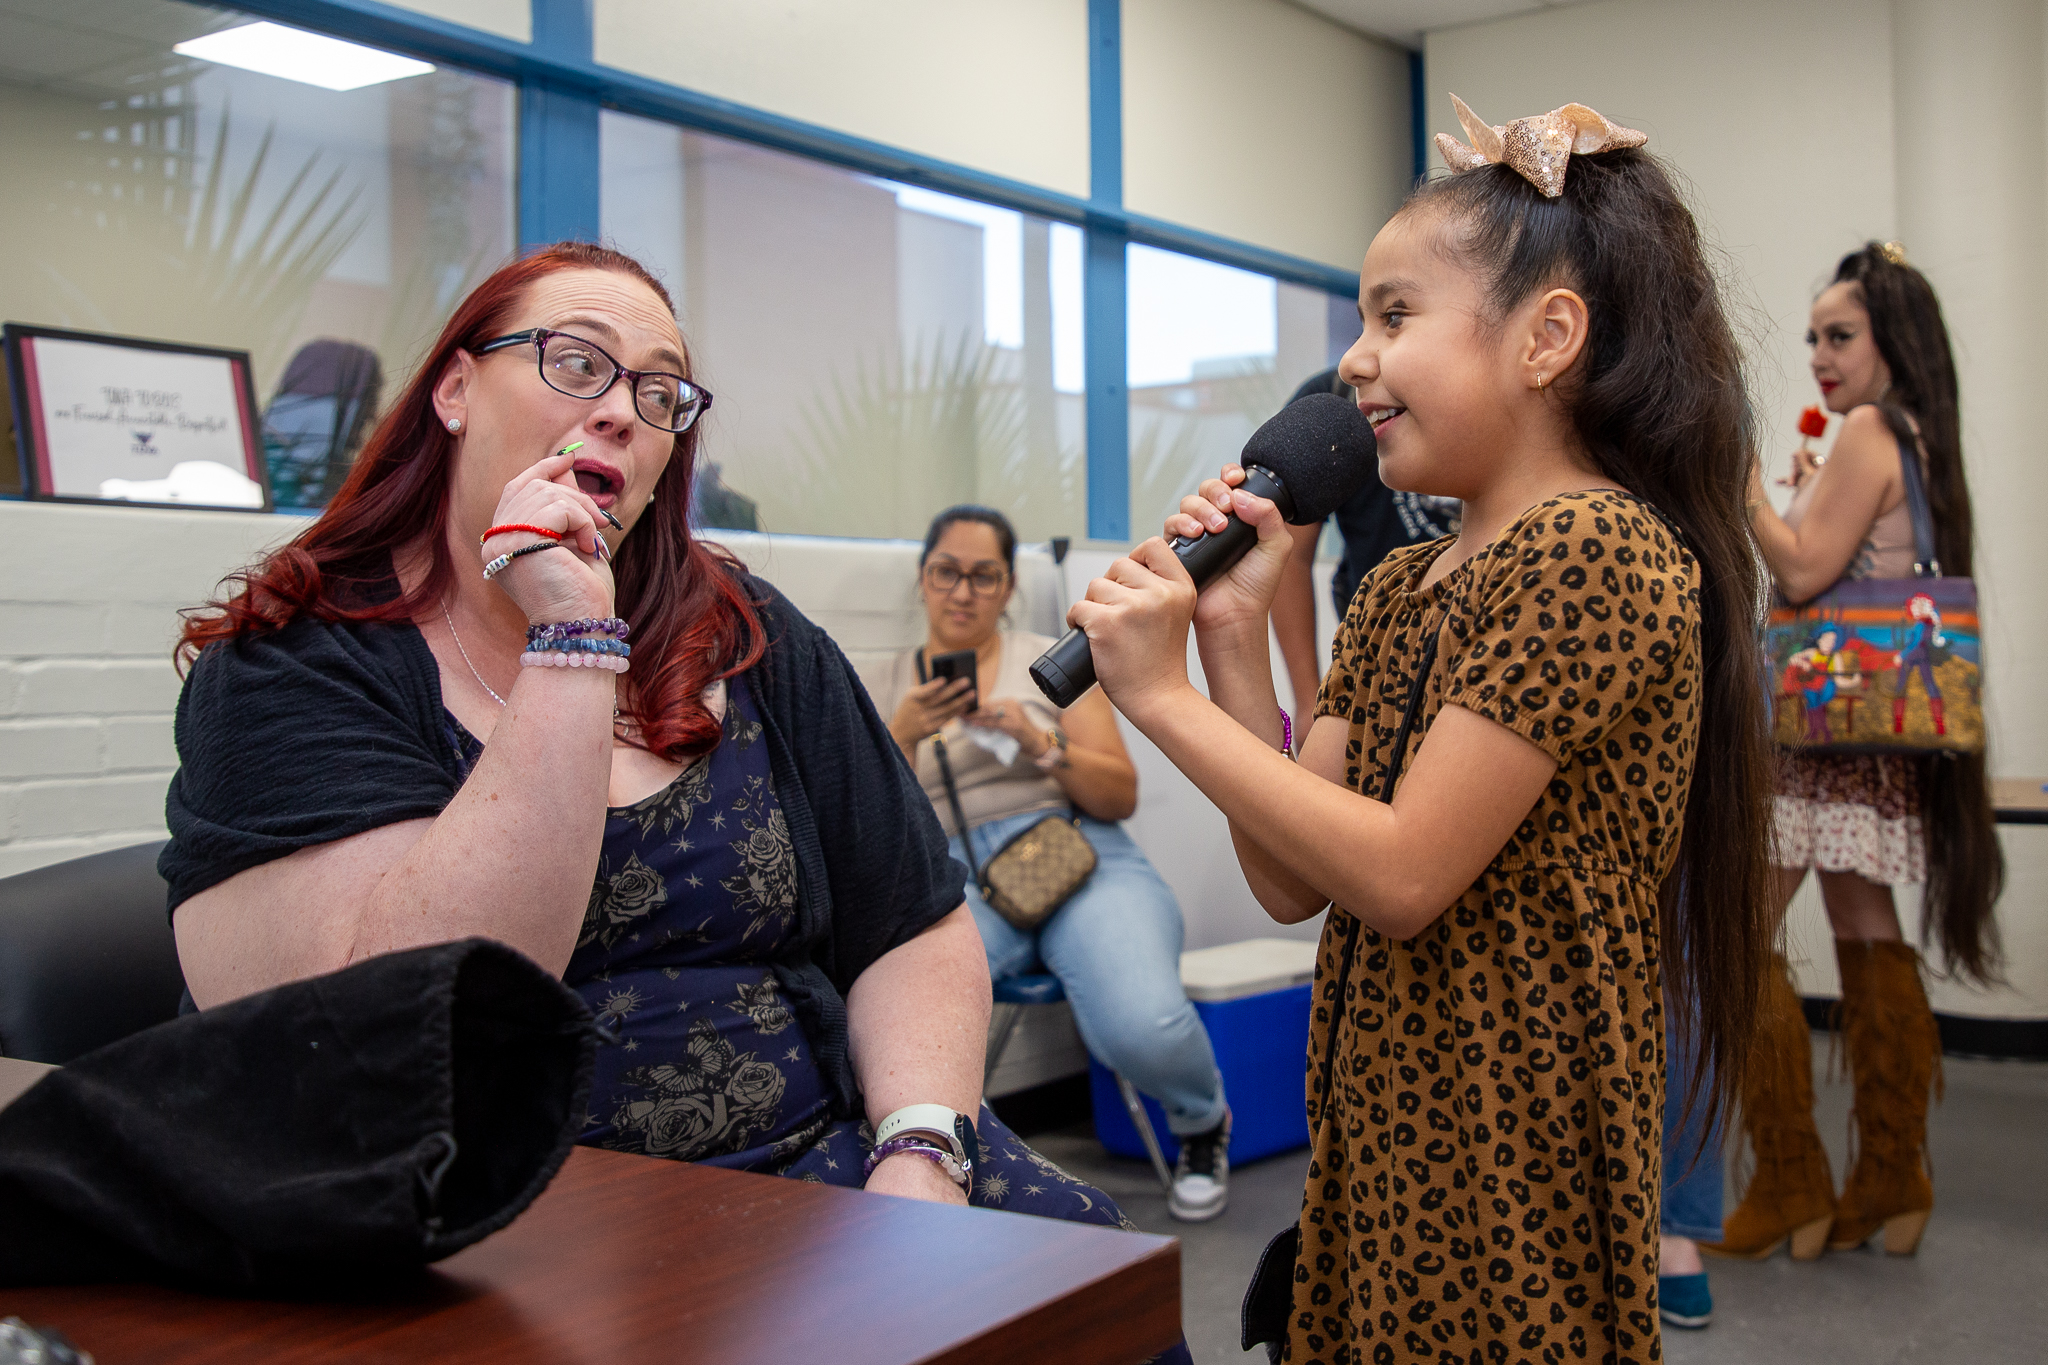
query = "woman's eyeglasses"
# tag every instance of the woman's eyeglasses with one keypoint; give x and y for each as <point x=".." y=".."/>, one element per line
<point x="583" y="369"/>
<point x="982" y="581"/>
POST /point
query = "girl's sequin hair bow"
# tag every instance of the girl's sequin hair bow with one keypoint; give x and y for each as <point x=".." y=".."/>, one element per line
<point x="1537" y="148"/>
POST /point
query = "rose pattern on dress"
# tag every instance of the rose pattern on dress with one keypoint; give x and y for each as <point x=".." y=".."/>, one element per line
<point x="674" y="804"/>
<point x="619" y="900"/>
<point x="764" y="889"/>
<point x="706" y="1059"/>
<point x="762" y="1003"/>
<point x="709" y="1099"/>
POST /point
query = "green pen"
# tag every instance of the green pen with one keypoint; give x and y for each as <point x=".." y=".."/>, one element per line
<point x="604" y="551"/>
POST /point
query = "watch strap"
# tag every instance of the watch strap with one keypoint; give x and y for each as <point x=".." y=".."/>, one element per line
<point x="951" y="1128"/>
<point x="936" y="1119"/>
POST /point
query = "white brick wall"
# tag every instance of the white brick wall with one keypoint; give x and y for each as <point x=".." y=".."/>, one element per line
<point x="89" y="599"/>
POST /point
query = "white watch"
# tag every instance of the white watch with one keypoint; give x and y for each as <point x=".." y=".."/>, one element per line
<point x="951" y="1129"/>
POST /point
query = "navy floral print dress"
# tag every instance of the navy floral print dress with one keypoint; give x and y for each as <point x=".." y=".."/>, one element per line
<point x="695" y="898"/>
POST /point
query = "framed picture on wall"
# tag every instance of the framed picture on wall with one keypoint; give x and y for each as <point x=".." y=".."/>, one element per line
<point x="118" y="419"/>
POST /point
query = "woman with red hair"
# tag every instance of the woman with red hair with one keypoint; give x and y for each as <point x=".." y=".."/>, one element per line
<point x="499" y="689"/>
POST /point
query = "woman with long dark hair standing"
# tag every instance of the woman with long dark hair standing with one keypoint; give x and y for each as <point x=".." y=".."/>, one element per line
<point x="1866" y="823"/>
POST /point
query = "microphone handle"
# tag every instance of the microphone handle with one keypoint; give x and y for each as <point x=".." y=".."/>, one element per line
<point x="1067" y="670"/>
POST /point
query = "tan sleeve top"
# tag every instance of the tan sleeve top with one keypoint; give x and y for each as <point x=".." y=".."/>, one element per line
<point x="989" y="790"/>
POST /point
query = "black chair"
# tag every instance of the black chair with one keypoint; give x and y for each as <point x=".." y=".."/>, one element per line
<point x="318" y="418"/>
<point x="86" y="955"/>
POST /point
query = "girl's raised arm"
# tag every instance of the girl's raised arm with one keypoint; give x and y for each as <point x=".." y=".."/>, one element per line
<point x="1304" y="837"/>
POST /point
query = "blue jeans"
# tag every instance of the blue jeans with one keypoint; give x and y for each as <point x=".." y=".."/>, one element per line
<point x="1692" y="1189"/>
<point x="1115" y="946"/>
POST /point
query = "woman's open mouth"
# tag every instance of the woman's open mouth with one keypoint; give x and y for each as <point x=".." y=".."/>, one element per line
<point x="601" y="481"/>
<point x="1379" y="418"/>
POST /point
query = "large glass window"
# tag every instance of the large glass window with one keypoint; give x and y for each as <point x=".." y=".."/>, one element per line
<point x="1214" y="352"/>
<point x="878" y="351"/>
<point x="158" y="193"/>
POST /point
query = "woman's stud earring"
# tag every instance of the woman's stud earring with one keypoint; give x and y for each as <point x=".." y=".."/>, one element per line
<point x="455" y="423"/>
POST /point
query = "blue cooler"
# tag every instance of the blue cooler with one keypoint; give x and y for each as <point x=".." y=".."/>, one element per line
<point x="1253" y="997"/>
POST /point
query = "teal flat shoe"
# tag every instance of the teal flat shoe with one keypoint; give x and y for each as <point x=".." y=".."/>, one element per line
<point x="1683" y="1300"/>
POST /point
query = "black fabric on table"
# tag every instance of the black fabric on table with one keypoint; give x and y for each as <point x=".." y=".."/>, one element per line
<point x="348" y="1127"/>
<point x="325" y="730"/>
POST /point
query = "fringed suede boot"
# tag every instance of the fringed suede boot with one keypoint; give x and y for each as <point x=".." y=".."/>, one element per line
<point x="1791" y="1196"/>
<point x="1894" y="1051"/>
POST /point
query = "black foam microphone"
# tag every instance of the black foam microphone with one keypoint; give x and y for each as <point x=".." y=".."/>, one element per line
<point x="1309" y="459"/>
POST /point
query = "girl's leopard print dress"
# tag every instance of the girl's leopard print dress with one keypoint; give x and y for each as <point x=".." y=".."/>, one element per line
<point x="1483" y="1184"/>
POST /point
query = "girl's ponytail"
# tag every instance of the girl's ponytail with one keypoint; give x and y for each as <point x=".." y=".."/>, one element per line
<point x="1659" y="404"/>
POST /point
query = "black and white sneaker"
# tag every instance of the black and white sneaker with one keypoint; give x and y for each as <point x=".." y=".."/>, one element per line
<point x="1201" y="1178"/>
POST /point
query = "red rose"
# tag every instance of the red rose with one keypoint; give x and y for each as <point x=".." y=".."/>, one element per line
<point x="1812" y="422"/>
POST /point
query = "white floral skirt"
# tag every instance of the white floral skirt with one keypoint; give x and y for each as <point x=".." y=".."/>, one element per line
<point x="1850" y="813"/>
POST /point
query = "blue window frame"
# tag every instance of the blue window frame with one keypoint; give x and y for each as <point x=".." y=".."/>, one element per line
<point x="563" y="91"/>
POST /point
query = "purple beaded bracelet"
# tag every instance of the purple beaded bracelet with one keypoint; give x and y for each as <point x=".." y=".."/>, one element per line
<point x="922" y="1146"/>
<point x="1286" y="733"/>
<point x="589" y="625"/>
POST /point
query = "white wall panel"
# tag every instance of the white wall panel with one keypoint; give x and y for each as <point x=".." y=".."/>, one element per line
<point x="1258" y="120"/>
<point x="1001" y="87"/>
<point x="506" y="18"/>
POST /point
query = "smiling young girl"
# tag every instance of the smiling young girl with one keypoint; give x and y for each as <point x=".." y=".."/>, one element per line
<point x="1567" y="692"/>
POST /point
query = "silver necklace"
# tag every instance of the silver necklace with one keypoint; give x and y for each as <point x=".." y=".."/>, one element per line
<point x="465" y="656"/>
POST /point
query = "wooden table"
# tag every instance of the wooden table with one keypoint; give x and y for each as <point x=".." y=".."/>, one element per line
<point x="628" y="1258"/>
<point x="2020" y="800"/>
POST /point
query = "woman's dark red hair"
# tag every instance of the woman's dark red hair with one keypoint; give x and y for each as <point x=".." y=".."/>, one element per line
<point x="692" y="617"/>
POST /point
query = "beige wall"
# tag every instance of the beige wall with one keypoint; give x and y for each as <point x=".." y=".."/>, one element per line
<point x="1779" y="115"/>
<point x="1257" y="120"/>
<point x="1806" y="129"/>
<point x="1001" y="87"/>
<point x="507" y="18"/>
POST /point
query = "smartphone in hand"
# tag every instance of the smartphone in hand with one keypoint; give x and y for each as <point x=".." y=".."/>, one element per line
<point x="958" y="664"/>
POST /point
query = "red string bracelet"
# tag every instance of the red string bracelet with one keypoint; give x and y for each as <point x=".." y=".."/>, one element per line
<point x="518" y="526"/>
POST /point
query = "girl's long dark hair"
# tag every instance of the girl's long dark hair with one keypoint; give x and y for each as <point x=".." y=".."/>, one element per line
<point x="1965" y="866"/>
<point x="693" y="619"/>
<point x="1658" y="402"/>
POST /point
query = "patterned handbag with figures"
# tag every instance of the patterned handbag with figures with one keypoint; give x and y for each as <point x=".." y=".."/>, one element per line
<point x="1882" y="665"/>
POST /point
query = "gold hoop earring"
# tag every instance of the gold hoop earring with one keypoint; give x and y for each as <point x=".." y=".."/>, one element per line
<point x="1539" y="383"/>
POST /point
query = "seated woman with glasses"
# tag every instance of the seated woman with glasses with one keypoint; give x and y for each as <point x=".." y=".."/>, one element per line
<point x="1115" y="944"/>
<point x="499" y="689"/>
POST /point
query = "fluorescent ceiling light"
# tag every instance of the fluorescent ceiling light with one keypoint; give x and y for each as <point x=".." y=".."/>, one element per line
<point x="297" y="55"/>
